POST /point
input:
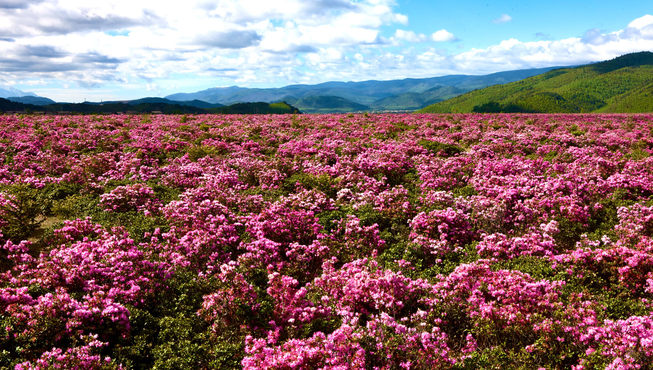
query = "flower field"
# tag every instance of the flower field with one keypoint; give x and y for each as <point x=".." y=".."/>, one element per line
<point x="326" y="241"/>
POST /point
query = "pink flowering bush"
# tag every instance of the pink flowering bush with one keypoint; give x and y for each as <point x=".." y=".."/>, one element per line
<point x="536" y="242"/>
<point x="6" y="205"/>
<point x="139" y="197"/>
<point x="441" y="231"/>
<point x="393" y="241"/>
<point x="230" y="304"/>
<point x="83" y="357"/>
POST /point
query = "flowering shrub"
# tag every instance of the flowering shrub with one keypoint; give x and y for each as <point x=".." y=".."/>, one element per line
<point x="84" y="357"/>
<point x="441" y="231"/>
<point x="139" y="197"/>
<point x="327" y="241"/>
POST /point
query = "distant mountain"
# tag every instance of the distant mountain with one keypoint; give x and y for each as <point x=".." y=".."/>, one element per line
<point x="154" y="100"/>
<point x="406" y="94"/>
<point x="148" y="105"/>
<point x="258" y="108"/>
<point x="623" y="84"/>
<point x="35" y="100"/>
<point x="411" y="100"/>
<point x="326" y="104"/>
<point x="6" y="91"/>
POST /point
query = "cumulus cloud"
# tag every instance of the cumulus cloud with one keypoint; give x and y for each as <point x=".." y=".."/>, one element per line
<point x="258" y="42"/>
<point x="17" y="4"/>
<point x="44" y="17"/>
<point x="47" y="59"/>
<point x="150" y="39"/>
<point x="595" y="36"/>
<point x="442" y="36"/>
<point x="512" y="53"/>
<point x="65" y="22"/>
<point x="8" y="65"/>
<point x="640" y="27"/>
<point x="594" y="45"/>
<point x="409" y="36"/>
<point x="42" y="51"/>
<point x="230" y="39"/>
<point x="97" y="59"/>
<point x="504" y="18"/>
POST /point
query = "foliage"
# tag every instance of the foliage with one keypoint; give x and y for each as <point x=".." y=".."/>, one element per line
<point x="619" y="85"/>
<point x="330" y="241"/>
<point x="438" y="148"/>
<point x="151" y="105"/>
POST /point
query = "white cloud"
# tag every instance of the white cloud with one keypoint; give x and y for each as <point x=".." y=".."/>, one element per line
<point x="504" y="18"/>
<point x="232" y="39"/>
<point x="442" y="36"/>
<point x="593" y="46"/>
<point x="409" y="36"/>
<point x="135" y="44"/>
<point x="149" y="39"/>
<point x="645" y="22"/>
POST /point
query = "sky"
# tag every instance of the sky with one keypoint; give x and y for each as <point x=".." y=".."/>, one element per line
<point x="81" y="50"/>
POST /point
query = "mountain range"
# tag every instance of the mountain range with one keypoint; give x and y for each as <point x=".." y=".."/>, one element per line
<point x="623" y="84"/>
<point x="341" y="97"/>
<point x="149" y="105"/>
<point x="620" y="85"/>
<point x="8" y="91"/>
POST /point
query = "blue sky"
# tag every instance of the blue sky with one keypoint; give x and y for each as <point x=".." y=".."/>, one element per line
<point x="472" y="21"/>
<point x="76" y="50"/>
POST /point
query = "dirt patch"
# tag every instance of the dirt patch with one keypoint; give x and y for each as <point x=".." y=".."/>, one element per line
<point x="47" y="223"/>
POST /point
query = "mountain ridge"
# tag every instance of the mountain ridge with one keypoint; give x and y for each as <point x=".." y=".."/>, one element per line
<point x="31" y="99"/>
<point x="147" y="105"/>
<point x="8" y="91"/>
<point x="375" y="95"/>
<point x="620" y="85"/>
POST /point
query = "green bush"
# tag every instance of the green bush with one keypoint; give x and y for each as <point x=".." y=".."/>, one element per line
<point x="436" y="147"/>
<point x="200" y="151"/>
<point x="24" y="214"/>
<point x="323" y="183"/>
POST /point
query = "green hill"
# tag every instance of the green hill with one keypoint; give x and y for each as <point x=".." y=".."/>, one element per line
<point x="341" y="97"/>
<point x="149" y="105"/>
<point x="257" y="108"/>
<point x="328" y="104"/>
<point x="34" y="100"/>
<point x="413" y="100"/>
<point x="623" y="84"/>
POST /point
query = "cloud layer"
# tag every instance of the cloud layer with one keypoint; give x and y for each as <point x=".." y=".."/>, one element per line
<point x="146" y="43"/>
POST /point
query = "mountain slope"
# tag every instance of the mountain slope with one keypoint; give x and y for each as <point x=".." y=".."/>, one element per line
<point x="619" y="85"/>
<point x="154" y="100"/>
<point x="411" y="100"/>
<point x="257" y="108"/>
<point x="405" y="94"/>
<point x="7" y="91"/>
<point x="326" y="104"/>
<point x="29" y="99"/>
<point x="637" y="100"/>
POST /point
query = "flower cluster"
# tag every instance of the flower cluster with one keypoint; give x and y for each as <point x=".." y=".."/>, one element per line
<point x="138" y="197"/>
<point x="327" y="241"/>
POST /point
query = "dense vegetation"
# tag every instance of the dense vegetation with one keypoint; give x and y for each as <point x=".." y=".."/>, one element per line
<point x="150" y="105"/>
<point x="624" y="84"/>
<point x="34" y="100"/>
<point x="331" y="241"/>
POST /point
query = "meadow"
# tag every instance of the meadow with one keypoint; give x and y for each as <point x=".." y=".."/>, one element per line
<point x="410" y="241"/>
